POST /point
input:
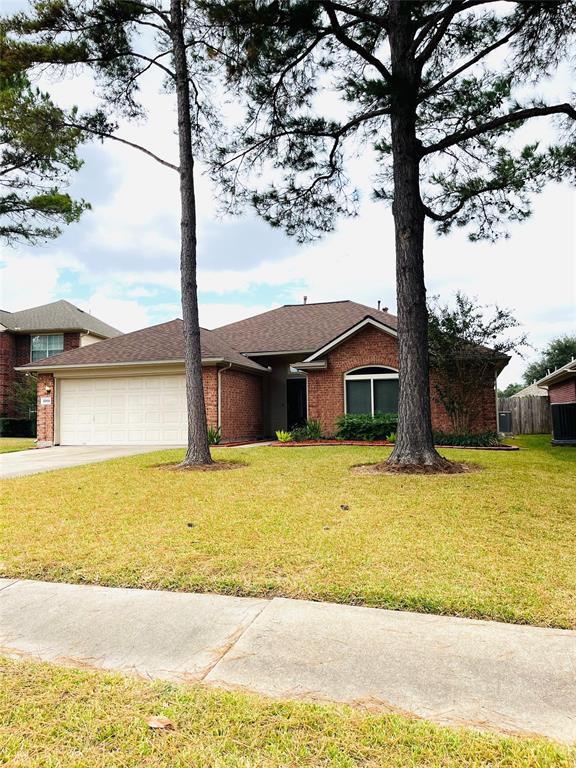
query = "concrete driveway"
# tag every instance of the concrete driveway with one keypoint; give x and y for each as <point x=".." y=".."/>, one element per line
<point x="45" y="459"/>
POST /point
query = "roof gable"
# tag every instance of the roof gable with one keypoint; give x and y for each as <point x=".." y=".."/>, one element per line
<point x="56" y="316"/>
<point x="337" y="340"/>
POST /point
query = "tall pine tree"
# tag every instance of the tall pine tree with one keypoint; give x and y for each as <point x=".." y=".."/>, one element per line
<point x="438" y="89"/>
<point x="120" y="40"/>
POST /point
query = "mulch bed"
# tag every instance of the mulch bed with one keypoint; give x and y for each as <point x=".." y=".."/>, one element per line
<point x="380" y="443"/>
<point x="214" y="467"/>
<point x="447" y="468"/>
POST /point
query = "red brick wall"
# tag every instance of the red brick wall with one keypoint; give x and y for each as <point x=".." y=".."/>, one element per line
<point x="7" y="373"/>
<point x="210" y="380"/>
<point x="22" y="343"/>
<point x="563" y="392"/>
<point x="241" y="403"/>
<point x="484" y="418"/>
<point x="71" y="341"/>
<point x="45" y="413"/>
<point x="371" y="346"/>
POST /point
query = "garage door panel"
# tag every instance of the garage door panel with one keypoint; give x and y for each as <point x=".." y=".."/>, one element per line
<point x="136" y="409"/>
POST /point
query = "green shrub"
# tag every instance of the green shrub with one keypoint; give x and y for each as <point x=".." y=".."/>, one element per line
<point x="363" y="426"/>
<point x="309" y="431"/>
<point x="283" y="437"/>
<point x="313" y="429"/>
<point x="392" y="437"/>
<point x="480" y="440"/>
<point x="214" y="436"/>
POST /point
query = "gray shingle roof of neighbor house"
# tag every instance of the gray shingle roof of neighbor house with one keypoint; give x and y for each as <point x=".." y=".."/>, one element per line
<point x="299" y="327"/>
<point x="532" y="390"/>
<point x="158" y="343"/>
<point x="56" y="316"/>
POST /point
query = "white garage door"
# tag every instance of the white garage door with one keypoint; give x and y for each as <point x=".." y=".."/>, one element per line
<point x="135" y="410"/>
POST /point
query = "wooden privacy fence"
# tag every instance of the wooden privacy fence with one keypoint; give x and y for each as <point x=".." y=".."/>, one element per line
<point x="530" y="415"/>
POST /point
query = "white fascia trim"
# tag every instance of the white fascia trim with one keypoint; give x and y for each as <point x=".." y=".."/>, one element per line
<point x="50" y="368"/>
<point x="283" y="352"/>
<point x="205" y="361"/>
<point x="316" y="365"/>
<point x="350" y="332"/>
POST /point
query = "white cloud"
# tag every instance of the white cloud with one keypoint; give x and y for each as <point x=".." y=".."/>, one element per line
<point x="214" y="315"/>
<point x="28" y="281"/>
<point x="124" y="315"/>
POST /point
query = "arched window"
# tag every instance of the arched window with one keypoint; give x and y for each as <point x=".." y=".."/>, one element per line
<point x="372" y="389"/>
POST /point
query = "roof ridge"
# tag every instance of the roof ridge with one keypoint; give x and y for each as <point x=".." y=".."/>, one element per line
<point x="316" y="303"/>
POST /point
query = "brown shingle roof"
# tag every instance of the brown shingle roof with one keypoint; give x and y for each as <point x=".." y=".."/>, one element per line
<point x="56" y="316"/>
<point x="299" y="327"/>
<point x="159" y="343"/>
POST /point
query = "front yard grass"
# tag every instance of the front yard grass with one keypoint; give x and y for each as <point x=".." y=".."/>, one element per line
<point x="11" y="444"/>
<point x="495" y="544"/>
<point x="51" y="716"/>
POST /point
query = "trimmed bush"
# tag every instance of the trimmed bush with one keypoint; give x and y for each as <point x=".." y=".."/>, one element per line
<point x="363" y="426"/>
<point x="481" y="440"/>
<point x="17" y="427"/>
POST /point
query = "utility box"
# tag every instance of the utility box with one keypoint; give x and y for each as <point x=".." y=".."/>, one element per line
<point x="505" y="422"/>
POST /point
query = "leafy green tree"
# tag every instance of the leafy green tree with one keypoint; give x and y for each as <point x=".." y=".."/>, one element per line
<point x="22" y="396"/>
<point x="559" y="352"/>
<point x="510" y="390"/>
<point x="37" y="158"/>
<point x="436" y="90"/>
<point x="121" y="40"/>
<point x="468" y="348"/>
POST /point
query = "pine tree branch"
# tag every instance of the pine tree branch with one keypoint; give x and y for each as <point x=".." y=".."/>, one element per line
<point x="464" y="6"/>
<point x="352" y="44"/>
<point x="338" y="133"/>
<point x="519" y="116"/>
<point x="106" y="135"/>
<point x="474" y="60"/>
<point x="357" y="13"/>
<point x="445" y="21"/>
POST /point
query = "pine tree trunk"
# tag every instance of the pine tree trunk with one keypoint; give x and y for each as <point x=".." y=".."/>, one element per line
<point x="198" y="451"/>
<point x="414" y="443"/>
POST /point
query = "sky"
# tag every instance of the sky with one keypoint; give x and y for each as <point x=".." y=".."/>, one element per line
<point x="121" y="262"/>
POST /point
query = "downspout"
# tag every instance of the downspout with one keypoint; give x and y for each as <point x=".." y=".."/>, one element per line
<point x="219" y="388"/>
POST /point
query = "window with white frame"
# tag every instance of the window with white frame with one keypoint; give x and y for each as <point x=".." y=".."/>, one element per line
<point x="46" y="345"/>
<point x="372" y="389"/>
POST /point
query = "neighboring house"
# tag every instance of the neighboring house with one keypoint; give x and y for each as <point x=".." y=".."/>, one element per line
<point x="268" y="372"/>
<point x="33" y="334"/>
<point x="532" y="390"/>
<point x="561" y="386"/>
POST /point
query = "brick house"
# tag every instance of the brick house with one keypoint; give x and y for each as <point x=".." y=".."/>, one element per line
<point x="561" y="387"/>
<point x="268" y="372"/>
<point x="33" y="334"/>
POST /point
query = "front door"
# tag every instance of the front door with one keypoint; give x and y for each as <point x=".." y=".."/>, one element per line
<point x="295" y="402"/>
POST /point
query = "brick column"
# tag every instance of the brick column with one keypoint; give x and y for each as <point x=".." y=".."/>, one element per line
<point x="45" y="412"/>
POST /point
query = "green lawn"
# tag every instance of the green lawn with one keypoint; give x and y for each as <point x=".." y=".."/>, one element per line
<point x="62" y="718"/>
<point x="11" y="444"/>
<point x="496" y="544"/>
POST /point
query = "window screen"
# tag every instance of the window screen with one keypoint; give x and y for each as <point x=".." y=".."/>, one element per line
<point x="386" y="395"/>
<point x="358" y="396"/>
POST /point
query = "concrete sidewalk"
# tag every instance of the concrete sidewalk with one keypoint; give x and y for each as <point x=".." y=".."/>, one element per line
<point x="449" y="670"/>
